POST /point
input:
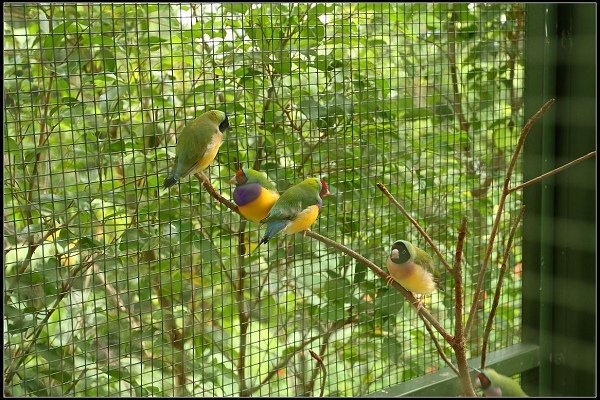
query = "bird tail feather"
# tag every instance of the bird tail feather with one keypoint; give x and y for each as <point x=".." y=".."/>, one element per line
<point x="170" y="181"/>
<point x="272" y="229"/>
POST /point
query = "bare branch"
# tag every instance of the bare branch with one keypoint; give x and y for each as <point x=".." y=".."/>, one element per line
<point x="505" y="192"/>
<point x="553" y="172"/>
<point x="321" y="366"/>
<point x="438" y="346"/>
<point x="213" y="192"/>
<point x="503" y="268"/>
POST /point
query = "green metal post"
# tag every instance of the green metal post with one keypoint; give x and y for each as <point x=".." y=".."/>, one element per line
<point x="540" y="65"/>
<point x="574" y="371"/>
<point x="559" y="225"/>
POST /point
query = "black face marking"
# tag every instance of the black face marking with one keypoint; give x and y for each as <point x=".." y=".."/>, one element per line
<point x="224" y="125"/>
<point x="403" y="253"/>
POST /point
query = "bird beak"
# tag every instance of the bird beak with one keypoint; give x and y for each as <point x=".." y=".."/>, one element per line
<point x="238" y="173"/>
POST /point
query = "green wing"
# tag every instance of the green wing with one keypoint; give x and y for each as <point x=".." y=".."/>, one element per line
<point x="426" y="261"/>
<point x="294" y="200"/>
<point x="193" y="142"/>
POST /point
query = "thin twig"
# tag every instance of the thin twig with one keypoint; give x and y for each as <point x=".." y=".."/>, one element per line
<point x="114" y="294"/>
<point x="311" y="150"/>
<point x="503" y="268"/>
<point x="177" y="339"/>
<point x="457" y="100"/>
<point x="213" y="192"/>
<point x="385" y="191"/>
<point x="243" y="314"/>
<point x="319" y="357"/>
<point x="224" y="269"/>
<point x="242" y="250"/>
<point x="553" y="172"/>
<point x="283" y="362"/>
<point x="287" y="112"/>
<point x="260" y="146"/>
<point x="438" y="346"/>
<point x="321" y="366"/>
<point x="505" y="192"/>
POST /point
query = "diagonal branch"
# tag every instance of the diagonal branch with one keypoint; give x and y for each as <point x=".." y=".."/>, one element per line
<point x="503" y="268"/>
<point x="321" y="366"/>
<point x="213" y="192"/>
<point x="505" y="192"/>
<point x="438" y="346"/>
<point x="553" y="172"/>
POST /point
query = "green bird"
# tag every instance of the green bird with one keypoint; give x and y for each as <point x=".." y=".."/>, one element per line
<point x="198" y="145"/>
<point x="497" y="385"/>
<point x="297" y="208"/>
<point x="411" y="267"/>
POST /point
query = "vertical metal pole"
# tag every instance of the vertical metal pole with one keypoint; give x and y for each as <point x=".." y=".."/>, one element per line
<point x="540" y="85"/>
<point x="547" y="206"/>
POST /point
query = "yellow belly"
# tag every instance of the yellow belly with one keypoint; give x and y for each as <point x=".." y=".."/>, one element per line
<point x="419" y="281"/>
<point x="303" y="221"/>
<point x="258" y="209"/>
<point x="210" y="154"/>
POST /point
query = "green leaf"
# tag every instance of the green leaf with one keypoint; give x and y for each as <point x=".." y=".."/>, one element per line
<point x="87" y="243"/>
<point x="337" y="289"/>
<point x="236" y="8"/>
<point x="312" y="109"/>
<point x="332" y="312"/>
<point x="390" y="303"/>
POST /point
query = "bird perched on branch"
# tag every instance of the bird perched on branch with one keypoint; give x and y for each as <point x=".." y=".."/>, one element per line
<point x="197" y="145"/>
<point x="297" y="208"/>
<point x="497" y="385"/>
<point x="411" y="267"/>
<point x="254" y="194"/>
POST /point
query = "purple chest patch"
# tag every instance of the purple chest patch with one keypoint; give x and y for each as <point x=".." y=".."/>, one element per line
<point x="245" y="194"/>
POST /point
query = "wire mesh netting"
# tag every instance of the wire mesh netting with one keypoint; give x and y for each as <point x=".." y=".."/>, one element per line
<point x="116" y="286"/>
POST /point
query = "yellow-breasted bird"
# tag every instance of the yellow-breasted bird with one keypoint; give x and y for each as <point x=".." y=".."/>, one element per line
<point x="411" y="267"/>
<point x="197" y="145"/>
<point x="297" y="208"/>
<point x="498" y="385"/>
<point x="254" y="193"/>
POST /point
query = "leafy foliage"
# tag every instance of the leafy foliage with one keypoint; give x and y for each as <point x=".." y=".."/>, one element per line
<point x="425" y="98"/>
